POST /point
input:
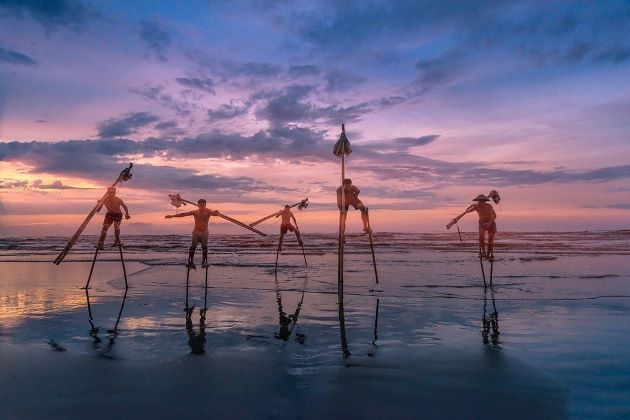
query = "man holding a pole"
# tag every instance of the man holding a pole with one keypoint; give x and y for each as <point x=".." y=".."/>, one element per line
<point x="114" y="215"/>
<point x="200" y="232"/>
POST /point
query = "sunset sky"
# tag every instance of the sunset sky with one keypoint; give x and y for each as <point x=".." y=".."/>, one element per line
<point x="241" y="102"/>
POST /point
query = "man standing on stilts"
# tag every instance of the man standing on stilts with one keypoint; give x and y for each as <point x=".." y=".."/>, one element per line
<point x="351" y="195"/>
<point x="286" y="225"/>
<point x="200" y="232"/>
<point x="114" y="215"/>
<point x="487" y="217"/>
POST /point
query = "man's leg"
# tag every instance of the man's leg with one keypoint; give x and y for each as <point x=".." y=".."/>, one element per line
<point x="365" y="218"/>
<point x="117" y="232"/>
<point x="299" y="238"/>
<point x="101" y="239"/>
<point x="490" y="244"/>
<point x="204" y="250"/>
<point x="482" y="244"/>
<point x="191" y="251"/>
<point x="280" y="242"/>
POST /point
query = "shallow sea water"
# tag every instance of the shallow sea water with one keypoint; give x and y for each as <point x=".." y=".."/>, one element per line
<point x="549" y="339"/>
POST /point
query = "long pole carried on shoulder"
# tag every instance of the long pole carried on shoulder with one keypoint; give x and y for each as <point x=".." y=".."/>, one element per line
<point x="124" y="175"/>
<point x="301" y="205"/>
<point x="177" y="198"/>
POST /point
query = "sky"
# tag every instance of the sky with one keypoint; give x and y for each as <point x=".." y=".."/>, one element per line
<point x="241" y="103"/>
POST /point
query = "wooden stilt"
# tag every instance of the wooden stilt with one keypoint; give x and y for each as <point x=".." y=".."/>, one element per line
<point x="278" y="253"/>
<point x="491" y="269"/>
<point x="342" y="323"/>
<point x="303" y="252"/>
<point x="91" y="269"/>
<point x="91" y="318"/>
<point x="372" y="248"/>
<point x="122" y="260"/>
<point x="483" y="273"/>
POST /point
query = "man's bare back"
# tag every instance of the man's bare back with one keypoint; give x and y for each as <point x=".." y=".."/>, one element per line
<point x="485" y="211"/>
<point x="286" y="216"/>
<point x="113" y="204"/>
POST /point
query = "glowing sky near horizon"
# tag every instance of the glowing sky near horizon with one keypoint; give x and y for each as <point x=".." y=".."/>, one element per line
<point x="241" y="102"/>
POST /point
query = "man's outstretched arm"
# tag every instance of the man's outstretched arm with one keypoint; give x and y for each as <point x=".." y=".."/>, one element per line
<point x="188" y="213"/>
<point x="124" y="206"/>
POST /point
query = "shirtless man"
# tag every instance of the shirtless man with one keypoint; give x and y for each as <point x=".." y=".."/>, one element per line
<point x="351" y="193"/>
<point x="487" y="218"/>
<point x="114" y="215"/>
<point x="286" y="225"/>
<point x="200" y="232"/>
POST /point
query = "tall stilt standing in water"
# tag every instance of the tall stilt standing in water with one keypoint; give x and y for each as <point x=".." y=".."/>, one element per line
<point x="348" y="195"/>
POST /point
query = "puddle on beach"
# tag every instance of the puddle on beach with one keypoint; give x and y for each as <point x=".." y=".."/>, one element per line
<point x="548" y="339"/>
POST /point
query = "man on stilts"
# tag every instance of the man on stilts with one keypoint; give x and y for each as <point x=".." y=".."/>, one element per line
<point x="351" y="195"/>
<point x="114" y="215"/>
<point x="200" y="232"/>
<point x="286" y="225"/>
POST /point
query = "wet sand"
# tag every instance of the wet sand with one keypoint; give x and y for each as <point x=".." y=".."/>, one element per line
<point x="548" y="340"/>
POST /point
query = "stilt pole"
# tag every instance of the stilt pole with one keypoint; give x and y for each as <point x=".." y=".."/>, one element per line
<point x="491" y="268"/>
<point x="372" y="247"/>
<point x="122" y="260"/>
<point x="483" y="273"/>
<point x="278" y="253"/>
<point x="91" y="269"/>
<point x="303" y="253"/>
<point x="205" y="293"/>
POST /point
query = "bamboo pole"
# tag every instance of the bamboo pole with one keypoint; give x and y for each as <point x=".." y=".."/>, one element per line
<point x="91" y="270"/>
<point x="483" y="273"/>
<point x="122" y="260"/>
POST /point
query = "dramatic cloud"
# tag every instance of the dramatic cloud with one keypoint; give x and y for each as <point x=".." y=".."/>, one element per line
<point x="126" y="124"/>
<point x="290" y="105"/>
<point x="226" y="112"/>
<point x="14" y="57"/>
<point x="206" y="85"/>
<point x="51" y="13"/>
<point x="156" y="37"/>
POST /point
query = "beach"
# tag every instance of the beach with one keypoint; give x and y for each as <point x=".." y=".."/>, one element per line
<point x="549" y="339"/>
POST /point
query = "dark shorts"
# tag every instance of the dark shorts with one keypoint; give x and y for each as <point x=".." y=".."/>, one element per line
<point x="286" y="227"/>
<point x="357" y="204"/>
<point x="489" y="227"/>
<point x="111" y="217"/>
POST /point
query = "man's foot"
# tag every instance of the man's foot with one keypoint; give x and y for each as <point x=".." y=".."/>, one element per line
<point x="482" y="254"/>
<point x="205" y="264"/>
<point x="100" y="246"/>
<point x="116" y="243"/>
<point x="491" y="257"/>
<point x="191" y="265"/>
<point x="367" y="230"/>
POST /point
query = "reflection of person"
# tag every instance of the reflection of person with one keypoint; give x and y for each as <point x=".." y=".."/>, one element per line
<point x="286" y="225"/>
<point x="350" y="193"/>
<point x="487" y="223"/>
<point x="200" y="232"/>
<point x="490" y="324"/>
<point x="287" y="322"/>
<point x="114" y="215"/>
<point x="196" y="339"/>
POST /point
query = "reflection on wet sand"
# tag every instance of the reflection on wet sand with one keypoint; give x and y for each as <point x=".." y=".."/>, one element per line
<point x="286" y="322"/>
<point x="490" y="326"/>
<point x="111" y="333"/>
<point x="197" y="338"/>
<point x="342" y="328"/>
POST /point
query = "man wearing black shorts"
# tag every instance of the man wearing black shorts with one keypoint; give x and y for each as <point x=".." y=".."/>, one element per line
<point x="114" y="215"/>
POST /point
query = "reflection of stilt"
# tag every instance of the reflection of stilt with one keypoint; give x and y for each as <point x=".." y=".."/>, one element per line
<point x="376" y="323"/>
<point x="112" y="332"/>
<point x="490" y="327"/>
<point x="122" y="261"/>
<point x="483" y="273"/>
<point x="342" y="325"/>
<point x="197" y="339"/>
<point x="187" y="280"/>
<point x="286" y="322"/>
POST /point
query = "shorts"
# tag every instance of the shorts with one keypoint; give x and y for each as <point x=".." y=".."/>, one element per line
<point x="199" y="237"/>
<point x="111" y="217"/>
<point x="487" y="226"/>
<point x="286" y="227"/>
<point x="357" y="204"/>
